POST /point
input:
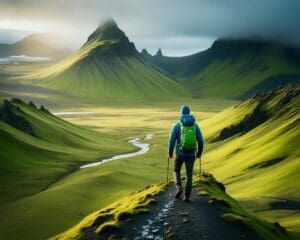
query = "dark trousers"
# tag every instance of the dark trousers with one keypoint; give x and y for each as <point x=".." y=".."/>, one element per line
<point x="189" y="165"/>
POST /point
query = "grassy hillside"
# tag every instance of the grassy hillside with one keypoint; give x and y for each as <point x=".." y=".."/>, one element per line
<point x="98" y="187"/>
<point x="108" y="67"/>
<point x="233" y="68"/>
<point x="94" y="188"/>
<point x="38" y="148"/>
<point x="110" y="217"/>
<point x="254" y="150"/>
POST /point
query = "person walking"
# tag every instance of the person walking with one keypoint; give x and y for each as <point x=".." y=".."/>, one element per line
<point x="187" y="137"/>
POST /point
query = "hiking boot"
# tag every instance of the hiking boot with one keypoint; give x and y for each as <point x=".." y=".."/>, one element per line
<point x="178" y="192"/>
<point x="186" y="199"/>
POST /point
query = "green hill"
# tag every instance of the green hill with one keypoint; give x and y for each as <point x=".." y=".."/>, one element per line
<point x="254" y="149"/>
<point x="38" y="148"/>
<point x="233" y="68"/>
<point x="108" y="67"/>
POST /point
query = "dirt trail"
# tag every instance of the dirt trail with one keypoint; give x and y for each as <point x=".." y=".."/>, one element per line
<point x="174" y="219"/>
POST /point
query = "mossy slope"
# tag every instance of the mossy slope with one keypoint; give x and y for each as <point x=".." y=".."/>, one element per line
<point x="37" y="148"/>
<point x="234" y="212"/>
<point x="263" y="160"/>
<point x="109" y="218"/>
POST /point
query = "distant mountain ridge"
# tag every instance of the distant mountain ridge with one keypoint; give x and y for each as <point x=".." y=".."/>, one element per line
<point x="233" y="68"/>
<point x="108" y="67"/>
<point x="34" y="45"/>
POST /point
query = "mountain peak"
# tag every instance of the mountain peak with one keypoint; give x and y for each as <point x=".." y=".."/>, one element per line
<point x="110" y="23"/>
<point x="145" y="53"/>
<point x="159" y="53"/>
<point x="113" y="39"/>
<point x="34" y="37"/>
<point x="109" y="30"/>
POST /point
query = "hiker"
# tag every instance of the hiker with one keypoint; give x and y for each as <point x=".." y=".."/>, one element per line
<point x="187" y="136"/>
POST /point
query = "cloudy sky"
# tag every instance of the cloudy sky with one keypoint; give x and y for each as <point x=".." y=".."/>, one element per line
<point x="178" y="27"/>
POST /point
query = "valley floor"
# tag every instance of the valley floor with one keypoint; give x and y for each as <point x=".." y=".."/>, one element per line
<point x="89" y="188"/>
<point x="73" y="196"/>
<point x="53" y="210"/>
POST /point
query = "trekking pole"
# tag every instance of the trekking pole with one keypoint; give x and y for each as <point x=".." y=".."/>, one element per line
<point x="168" y="170"/>
<point x="200" y="168"/>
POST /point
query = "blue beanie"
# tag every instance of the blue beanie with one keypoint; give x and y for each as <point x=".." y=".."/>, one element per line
<point x="185" y="110"/>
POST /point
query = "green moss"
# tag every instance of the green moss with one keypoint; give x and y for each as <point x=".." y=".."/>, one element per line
<point x="143" y="210"/>
<point x="230" y="217"/>
<point x="108" y="227"/>
<point x="183" y="213"/>
<point x="234" y="212"/>
<point x="100" y="219"/>
<point x="124" y="215"/>
<point x="185" y="220"/>
<point x="170" y="235"/>
<point x="263" y="161"/>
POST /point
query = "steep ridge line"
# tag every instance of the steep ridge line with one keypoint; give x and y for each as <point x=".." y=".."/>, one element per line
<point x="260" y="114"/>
<point x="233" y="68"/>
<point x="14" y="115"/>
<point x="11" y="115"/>
<point x="173" y="219"/>
<point x="154" y="213"/>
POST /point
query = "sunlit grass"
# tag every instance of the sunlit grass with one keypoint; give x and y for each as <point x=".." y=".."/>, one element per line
<point x="109" y="217"/>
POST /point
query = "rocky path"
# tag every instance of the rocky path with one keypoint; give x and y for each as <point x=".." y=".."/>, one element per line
<point x="174" y="219"/>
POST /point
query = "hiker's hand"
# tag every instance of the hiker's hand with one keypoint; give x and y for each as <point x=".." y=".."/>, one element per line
<point x="170" y="158"/>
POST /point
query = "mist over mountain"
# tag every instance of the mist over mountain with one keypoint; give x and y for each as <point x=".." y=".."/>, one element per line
<point x="235" y="68"/>
<point x="34" y="45"/>
<point x="110" y="32"/>
<point x="166" y="24"/>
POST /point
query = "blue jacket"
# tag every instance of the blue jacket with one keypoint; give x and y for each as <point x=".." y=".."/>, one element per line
<point x="187" y="120"/>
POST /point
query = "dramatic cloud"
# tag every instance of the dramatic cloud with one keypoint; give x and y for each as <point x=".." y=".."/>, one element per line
<point x="179" y="27"/>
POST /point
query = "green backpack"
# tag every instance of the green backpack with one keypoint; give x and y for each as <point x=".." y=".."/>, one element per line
<point x="188" y="138"/>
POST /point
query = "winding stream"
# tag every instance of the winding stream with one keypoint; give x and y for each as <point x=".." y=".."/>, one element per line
<point x="143" y="148"/>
